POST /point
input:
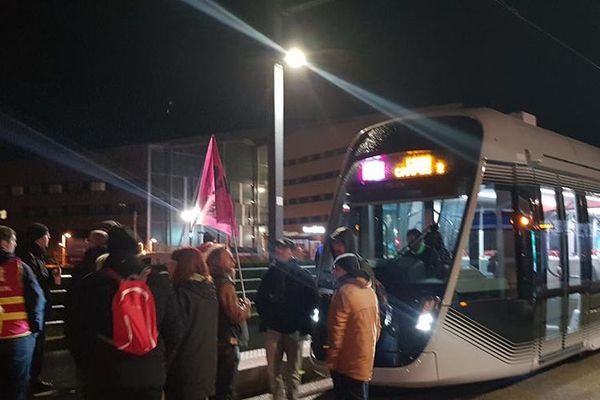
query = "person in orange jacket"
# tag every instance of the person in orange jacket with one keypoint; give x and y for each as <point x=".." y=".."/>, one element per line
<point x="353" y="329"/>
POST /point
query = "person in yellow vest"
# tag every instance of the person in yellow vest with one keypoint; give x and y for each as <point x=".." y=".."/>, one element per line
<point x="22" y="304"/>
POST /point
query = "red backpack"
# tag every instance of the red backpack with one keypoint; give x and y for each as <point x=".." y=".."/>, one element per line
<point x="134" y="314"/>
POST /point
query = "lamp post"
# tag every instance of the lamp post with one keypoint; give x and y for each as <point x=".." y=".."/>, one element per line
<point x="294" y="58"/>
<point x="63" y="245"/>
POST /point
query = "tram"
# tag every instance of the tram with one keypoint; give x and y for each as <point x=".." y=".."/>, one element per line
<point x="516" y="207"/>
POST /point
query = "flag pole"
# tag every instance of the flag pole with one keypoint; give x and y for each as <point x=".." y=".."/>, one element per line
<point x="237" y="257"/>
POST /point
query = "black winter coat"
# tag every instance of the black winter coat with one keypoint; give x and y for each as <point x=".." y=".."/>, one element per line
<point x="35" y="257"/>
<point x="106" y="366"/>
<point x="286" y="298"/>
<point x="73" y="297"/>
<point x="193" y="372"/>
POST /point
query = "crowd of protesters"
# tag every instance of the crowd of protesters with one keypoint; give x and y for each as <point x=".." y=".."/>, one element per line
<point x="196" y="320"/>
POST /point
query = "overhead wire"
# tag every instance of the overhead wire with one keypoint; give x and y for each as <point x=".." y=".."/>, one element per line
<point x="574" y="51"/>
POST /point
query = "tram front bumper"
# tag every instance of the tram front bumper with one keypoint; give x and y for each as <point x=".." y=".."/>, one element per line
<point x="421" y="372"/>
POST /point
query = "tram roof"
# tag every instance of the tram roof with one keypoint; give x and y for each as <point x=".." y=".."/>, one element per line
<point x="509" y="139"/>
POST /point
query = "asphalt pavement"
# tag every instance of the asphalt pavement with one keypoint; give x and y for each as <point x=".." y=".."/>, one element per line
<point x="577" y="378"/>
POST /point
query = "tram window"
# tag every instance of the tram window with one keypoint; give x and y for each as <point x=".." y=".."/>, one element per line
<point x="571" y="227"/>
<point x="551" y="247"/>
<point x="397" y="219"/>
<point x="593" y="204"/>
<point x="488" y="263"/>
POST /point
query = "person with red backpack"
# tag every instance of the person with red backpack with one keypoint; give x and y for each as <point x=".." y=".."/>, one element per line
<point x="128" y="325"/>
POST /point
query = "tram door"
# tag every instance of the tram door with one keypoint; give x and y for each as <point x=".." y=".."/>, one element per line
<point x="561" y="273"/>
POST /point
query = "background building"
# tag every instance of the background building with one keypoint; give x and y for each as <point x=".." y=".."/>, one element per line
<point x="113" y="183"/>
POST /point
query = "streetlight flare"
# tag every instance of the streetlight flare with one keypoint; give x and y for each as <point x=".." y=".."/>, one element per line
<point x="190" y="215"/>
<point x="295" y="58"/>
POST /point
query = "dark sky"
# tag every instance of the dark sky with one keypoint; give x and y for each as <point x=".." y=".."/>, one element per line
<point x="97" y="73"/>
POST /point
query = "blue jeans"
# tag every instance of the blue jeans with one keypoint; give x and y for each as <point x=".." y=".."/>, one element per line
<point x="15" y="363"/>
<point x="346" y="388"/>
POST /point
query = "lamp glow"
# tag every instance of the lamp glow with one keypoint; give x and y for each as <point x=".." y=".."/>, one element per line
<point x="190" y="215"/>
<point x="295" y="58"/>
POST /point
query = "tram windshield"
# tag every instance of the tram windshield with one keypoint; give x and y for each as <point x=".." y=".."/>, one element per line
<point x="404" y="196"/>
<point x="410" y="243"/>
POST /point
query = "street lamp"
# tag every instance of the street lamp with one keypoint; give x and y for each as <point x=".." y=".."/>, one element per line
<point x="63" y="245"/>
<point x="294" y="58"/>
<point x="190" y="216"/>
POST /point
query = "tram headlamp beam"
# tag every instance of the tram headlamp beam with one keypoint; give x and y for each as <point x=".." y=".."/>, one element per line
<point x="424" y="322"/>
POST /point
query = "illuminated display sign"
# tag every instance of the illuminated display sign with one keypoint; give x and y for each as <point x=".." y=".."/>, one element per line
<point x="407" y="165"/>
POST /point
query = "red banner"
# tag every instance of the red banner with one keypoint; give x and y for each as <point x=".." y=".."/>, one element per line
<point x="214" y="201"/>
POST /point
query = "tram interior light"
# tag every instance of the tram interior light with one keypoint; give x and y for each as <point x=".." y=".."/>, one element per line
<point x="314" y="229"/>
<point x="521" y="221"/>
<point x="546" y="226"/>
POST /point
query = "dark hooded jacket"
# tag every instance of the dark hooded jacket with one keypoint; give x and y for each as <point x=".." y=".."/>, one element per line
<point x="347" y="237"/>
<point x="192" y="373"/>
<point x="74" y="294"/>
<point x="286" y="298"/>
<point x="104" y="364"/>
<point x="35" y="257"/>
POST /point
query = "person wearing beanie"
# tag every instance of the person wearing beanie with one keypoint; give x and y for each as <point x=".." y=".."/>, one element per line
<point x="33" y="252"/>
<point x="285" y="301"/>
<point x="353" y="327"/>
<point x="109" y="373"/>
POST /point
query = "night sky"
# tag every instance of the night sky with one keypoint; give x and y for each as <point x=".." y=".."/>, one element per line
<point x="101" y="73"/>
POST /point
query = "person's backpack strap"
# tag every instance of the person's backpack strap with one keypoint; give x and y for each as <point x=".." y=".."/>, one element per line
<point x="144" y="274"/>
<point x="111" y="273"/>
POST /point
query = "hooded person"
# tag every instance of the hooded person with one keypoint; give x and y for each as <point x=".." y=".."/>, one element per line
<point x="353" y="329"/>
<point x="33" y="253"/>
<point x="343" y="240"/>
<point x="109" y="372"/>
<point x="285" y="300"/>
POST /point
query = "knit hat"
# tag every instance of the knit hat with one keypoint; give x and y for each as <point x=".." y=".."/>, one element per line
<point x="122" y="239"/>
<point x="108" y="224"/>
<point x="284" y="243"/>
<point x="35" y="231"/>
<point x="350" y="263"/>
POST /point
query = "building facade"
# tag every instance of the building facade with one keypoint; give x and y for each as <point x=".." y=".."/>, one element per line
<point x="147" y="186"/>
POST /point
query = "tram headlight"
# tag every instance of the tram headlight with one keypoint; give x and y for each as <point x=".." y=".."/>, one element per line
<point x="424" y="322"/>
<point x="315" y="315"/>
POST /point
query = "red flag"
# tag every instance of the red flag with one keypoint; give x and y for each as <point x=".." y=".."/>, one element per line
<point x="214" y="201"/>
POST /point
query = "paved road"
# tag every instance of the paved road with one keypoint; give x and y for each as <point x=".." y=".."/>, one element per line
<point x="575" y="379"/>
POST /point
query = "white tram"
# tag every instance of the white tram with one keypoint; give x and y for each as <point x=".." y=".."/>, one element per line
<point x="518" y="210"/>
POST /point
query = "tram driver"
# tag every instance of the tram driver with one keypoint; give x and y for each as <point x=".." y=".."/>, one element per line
<point x="430" y="258"/>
